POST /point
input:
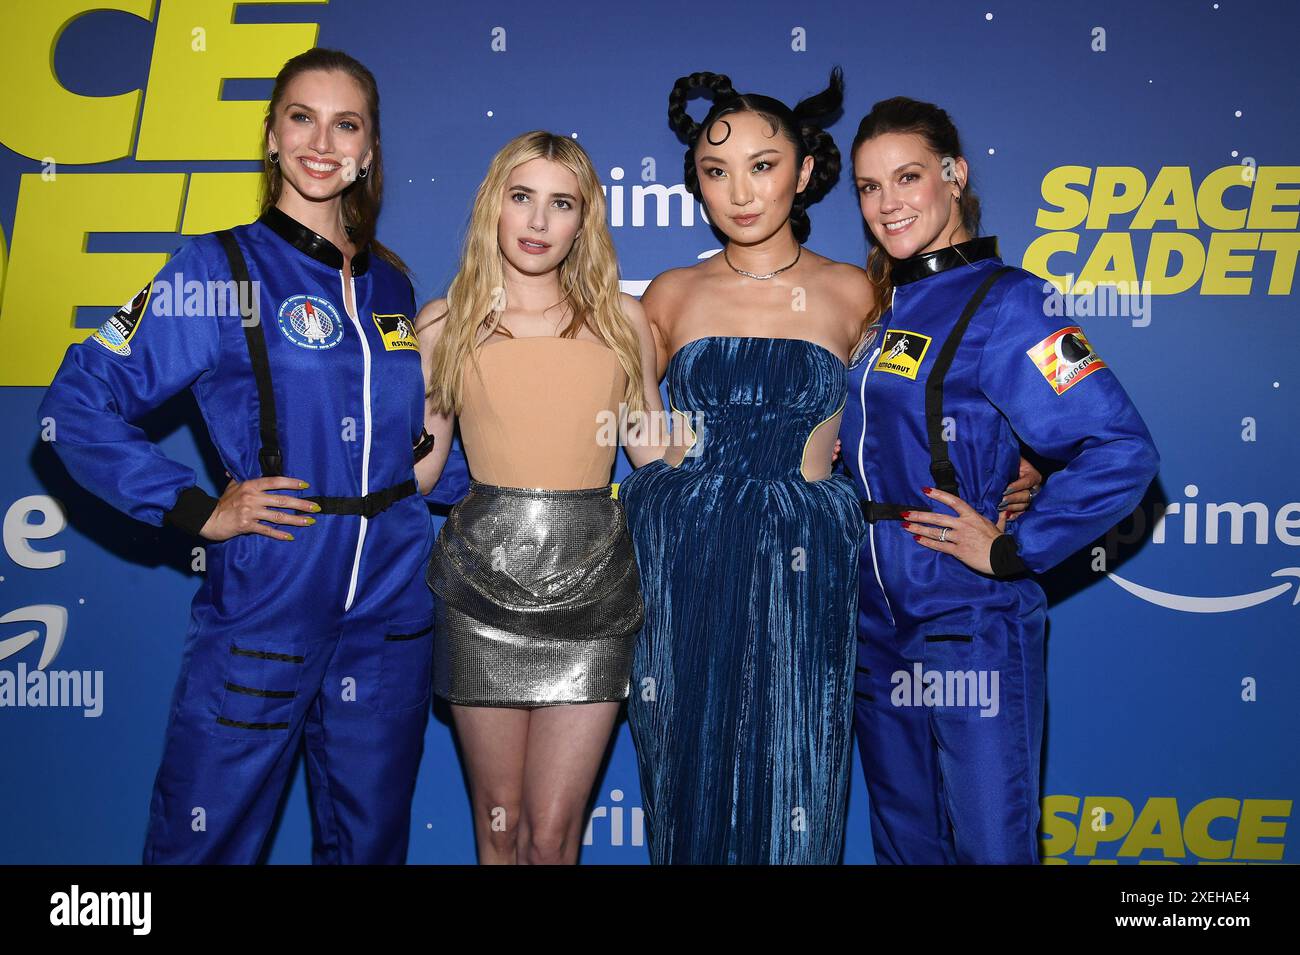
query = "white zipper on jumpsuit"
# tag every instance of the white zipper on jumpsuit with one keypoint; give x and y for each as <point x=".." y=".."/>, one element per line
<point x="365" y="447"/>
<point x="871" y="528"/>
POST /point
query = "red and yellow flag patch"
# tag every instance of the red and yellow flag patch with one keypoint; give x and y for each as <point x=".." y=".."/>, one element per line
<point x="1065" y="358"/>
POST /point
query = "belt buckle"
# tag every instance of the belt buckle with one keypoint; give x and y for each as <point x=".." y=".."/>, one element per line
<point x="372" y="506"/>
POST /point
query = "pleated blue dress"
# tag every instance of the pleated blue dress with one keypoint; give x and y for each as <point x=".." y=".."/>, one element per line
<point x="741" y="700"/>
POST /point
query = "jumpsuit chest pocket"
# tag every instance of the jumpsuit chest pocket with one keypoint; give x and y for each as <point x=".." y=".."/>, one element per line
<point x="259" y="690"/>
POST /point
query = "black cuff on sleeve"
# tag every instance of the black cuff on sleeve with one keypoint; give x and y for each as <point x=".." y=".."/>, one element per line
<point x="193" y="508"/>
<point x="1004" y="558"/>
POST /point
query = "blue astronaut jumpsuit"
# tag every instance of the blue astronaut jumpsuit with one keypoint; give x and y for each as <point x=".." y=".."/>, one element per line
<point x="327" y="635"/>
<point x="947" y="784"/>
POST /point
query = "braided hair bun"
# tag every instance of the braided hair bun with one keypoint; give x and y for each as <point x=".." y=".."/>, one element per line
<point x="803" y="126"/>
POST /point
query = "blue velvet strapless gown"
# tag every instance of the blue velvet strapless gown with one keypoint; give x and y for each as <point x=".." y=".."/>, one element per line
<point x="742" y="693"/>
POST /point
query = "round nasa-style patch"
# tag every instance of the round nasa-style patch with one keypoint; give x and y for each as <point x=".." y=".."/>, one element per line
<point x="310" y="321"/>
<point x="864" y="347"/>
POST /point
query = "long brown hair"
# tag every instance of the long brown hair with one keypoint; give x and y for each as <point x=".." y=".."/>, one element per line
<point x="588" y="275"/>
<point x="903" y="115"/>
<point x="363" y="197"/>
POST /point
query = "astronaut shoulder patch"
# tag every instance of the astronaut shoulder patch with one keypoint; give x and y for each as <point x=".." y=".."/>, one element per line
<point x="397" y="332"/>
<point x="1065" y="358"/>
<point x="901" y="352"/>
<point x="116" y="333"/>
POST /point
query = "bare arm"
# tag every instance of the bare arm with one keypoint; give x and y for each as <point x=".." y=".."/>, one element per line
<point x="430" y="324"/>
<point x="656" y="303"/>
<point x="648" y="439"/>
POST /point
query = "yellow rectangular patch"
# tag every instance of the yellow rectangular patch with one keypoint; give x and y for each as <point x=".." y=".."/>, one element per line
<point x="902" y="352"/>
<point x="396" y="330"/>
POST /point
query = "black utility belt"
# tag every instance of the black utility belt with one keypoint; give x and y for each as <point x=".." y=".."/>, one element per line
<point x="879" y="511"/>
<point x="369" y="505"/>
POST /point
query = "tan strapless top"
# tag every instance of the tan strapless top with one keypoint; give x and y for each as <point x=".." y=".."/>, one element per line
<point x="544" y="414"/>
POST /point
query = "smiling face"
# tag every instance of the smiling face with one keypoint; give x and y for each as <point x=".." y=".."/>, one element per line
<point x="541" y="215"/>
<point x="322" y="131"/>
<point x="908" y="195"/>
<point x="748" y="182"/>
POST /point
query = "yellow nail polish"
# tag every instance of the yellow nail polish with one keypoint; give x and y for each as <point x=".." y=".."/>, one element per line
<point x="304" y="484"/>
<point x="311" y="520"/>
<point x="288" y="536"/>
<point x="315" y="507"/>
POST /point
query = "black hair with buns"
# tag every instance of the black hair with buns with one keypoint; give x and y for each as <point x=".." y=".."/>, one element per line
<point x="802" y="126"/>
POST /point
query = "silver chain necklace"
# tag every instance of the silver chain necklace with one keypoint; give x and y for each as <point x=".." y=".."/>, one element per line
<point x="769" y="275"/>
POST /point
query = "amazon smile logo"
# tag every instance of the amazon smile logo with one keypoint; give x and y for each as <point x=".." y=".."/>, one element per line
<point x="1190" y="604"/>
<point x="1202" y="523"/>
<point x="81" y="689"/>
<point x="54" y="620"/>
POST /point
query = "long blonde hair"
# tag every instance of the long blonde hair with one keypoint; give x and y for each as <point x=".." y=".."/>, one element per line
<point x="588" y="275"/>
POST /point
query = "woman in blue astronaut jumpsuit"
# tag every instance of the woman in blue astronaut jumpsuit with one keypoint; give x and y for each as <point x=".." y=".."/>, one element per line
<point x="324" y="632"/>
<point x="966" y="363"/>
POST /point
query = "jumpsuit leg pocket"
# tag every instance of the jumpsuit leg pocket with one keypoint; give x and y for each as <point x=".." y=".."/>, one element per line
<point x="406" y="664"/>
<point x="964" y="670"/>
<point x="260" y="686"/>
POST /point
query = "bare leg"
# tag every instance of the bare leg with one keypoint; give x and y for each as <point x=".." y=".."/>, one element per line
<point x="494" y="740"/>
<point x="565" y="747"/>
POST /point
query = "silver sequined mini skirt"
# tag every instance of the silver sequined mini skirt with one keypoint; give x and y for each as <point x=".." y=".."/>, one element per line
<point x="537" y="598"/>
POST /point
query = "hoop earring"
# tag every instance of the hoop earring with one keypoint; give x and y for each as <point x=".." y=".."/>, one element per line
<point x="363" y="172"/>
<point x="273" y="156"/>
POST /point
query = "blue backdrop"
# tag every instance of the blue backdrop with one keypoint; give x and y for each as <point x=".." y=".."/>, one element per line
<point x="1101" y="137"/>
